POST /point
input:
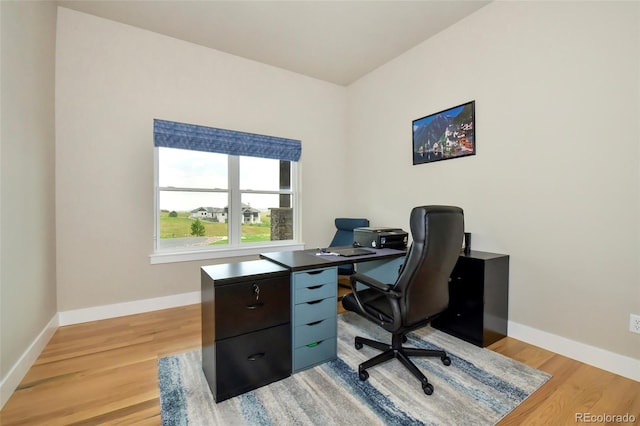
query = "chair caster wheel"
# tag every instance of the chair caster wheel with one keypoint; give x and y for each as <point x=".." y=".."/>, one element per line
<point x="364" y="375"/>
<point x="358" y="345"/>
<point x="446" y="361"/>
<point x="427" y="388"/>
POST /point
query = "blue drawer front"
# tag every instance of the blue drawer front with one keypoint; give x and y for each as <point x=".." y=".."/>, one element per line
<point x="308" y="356"/>
<point x="316" y="292"/>
<point x="315" y="332"/>
<point x="304" y="313"/>
<point x="314" y="277"/>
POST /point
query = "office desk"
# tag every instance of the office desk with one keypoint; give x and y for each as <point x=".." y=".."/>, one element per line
<point x="265" y="319"/>
<point x="314" y="284"/>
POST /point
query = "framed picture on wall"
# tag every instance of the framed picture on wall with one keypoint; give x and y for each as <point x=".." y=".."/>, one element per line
<point x="447" y="134"/>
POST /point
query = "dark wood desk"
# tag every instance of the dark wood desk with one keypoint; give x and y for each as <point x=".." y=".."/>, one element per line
<point x="249" y="341"/>
<point x="300" y="260"/>
<point x="478" y="290"/>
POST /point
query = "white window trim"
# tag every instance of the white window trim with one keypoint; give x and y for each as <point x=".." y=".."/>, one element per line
<point x="234" y="249"/>
<point x="189" y="256"/>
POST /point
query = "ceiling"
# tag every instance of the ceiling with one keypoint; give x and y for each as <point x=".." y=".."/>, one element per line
<point x="336" y="41"/>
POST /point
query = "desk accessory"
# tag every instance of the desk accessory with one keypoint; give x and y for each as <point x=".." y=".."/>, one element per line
<point x="467" y="243"/>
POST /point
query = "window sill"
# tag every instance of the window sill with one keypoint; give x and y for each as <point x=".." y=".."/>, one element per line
<point x="189" y="256"/>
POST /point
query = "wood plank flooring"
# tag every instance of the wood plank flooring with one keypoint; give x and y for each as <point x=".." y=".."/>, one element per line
<point x="105" y="372"/>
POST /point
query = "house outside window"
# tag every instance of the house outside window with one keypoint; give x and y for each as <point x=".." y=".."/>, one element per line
<point x="217" y="202"/>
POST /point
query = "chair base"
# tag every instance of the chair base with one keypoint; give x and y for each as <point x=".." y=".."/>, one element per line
<point x="396" y="350"/>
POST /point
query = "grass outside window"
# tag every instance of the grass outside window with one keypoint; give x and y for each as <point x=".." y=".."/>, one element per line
<point x="217" y="232"/>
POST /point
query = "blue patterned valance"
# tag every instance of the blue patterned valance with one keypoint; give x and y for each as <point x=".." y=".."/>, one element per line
<point x="170" y="134"/>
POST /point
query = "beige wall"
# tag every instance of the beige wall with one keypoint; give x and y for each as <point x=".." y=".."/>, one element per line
<point x="112" y="80"/>
<point x="27" y="247"/>
<point x="555" y="182"/>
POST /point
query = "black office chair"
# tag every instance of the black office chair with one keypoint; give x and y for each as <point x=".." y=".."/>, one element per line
<point x="420" y="293"/>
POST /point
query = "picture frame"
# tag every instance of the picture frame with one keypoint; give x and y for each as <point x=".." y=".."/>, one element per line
<point x="447" y="134"/>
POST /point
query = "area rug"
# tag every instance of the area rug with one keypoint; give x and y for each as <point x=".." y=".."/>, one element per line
<point x="480" y="387"/>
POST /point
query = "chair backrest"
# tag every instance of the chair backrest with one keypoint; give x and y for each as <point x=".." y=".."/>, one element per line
<point x="437" y="233"/>
<point x="344" y="230"/>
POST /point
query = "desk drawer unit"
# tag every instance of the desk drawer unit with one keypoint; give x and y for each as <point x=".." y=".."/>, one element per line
<point x="478" y="309"/>
<point x="246" y="327"/>
<point x="314" y="317"/>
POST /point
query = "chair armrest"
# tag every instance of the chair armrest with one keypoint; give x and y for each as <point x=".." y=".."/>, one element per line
<point x="372" y="283"/>
<point x="391" y="295"/>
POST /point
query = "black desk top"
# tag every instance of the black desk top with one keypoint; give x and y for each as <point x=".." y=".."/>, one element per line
<point x="229" y="273"/>
<point x="299" y="260"/>
<point x="483" y="255"/>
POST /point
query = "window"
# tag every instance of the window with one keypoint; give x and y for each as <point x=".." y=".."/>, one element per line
<point x="211" y="200"/>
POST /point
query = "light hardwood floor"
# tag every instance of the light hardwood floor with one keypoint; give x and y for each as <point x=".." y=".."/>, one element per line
<point x="105" y="372"/>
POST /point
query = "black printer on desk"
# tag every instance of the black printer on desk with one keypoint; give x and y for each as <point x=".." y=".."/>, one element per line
<point x="394" y="238"/>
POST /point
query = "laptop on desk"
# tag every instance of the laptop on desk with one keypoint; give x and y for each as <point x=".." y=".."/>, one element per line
<point x="350" y="252"/>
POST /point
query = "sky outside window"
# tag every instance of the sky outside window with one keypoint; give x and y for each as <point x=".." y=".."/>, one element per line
<point x="180" y="168"/>
<point x="259" y="174"/>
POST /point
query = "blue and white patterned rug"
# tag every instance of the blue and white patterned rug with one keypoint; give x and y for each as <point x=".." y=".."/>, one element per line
<point x="479" y="388"/>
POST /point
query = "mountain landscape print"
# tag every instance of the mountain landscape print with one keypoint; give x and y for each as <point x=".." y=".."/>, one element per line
<point x="445" y="134"/>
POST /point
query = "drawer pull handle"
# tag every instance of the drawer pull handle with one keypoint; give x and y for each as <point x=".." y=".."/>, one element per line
<point x="315" y="322"/>
<point x="315" y="272"/>
<point x="315" y="287"/>
<point x="255" y="357"/>
<point x="313" y="345"/>
<point x="314" y="302"/>
<point x="255" y="306"/>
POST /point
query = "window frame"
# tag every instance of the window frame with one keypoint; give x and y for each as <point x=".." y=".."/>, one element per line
<point x="235" y="247"/>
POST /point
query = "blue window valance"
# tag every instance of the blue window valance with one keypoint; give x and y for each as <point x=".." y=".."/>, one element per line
<point x="170" y="134"/>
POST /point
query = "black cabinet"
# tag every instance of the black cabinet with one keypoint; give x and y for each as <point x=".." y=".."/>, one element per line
<point x="246" y="326"/>
<point x="478" y="299"/>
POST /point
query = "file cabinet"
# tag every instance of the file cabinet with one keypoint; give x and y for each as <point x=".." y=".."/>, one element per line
<point x="478" y="299"/>
<point x="246" y="326"/>
<point x="314" y="317"/>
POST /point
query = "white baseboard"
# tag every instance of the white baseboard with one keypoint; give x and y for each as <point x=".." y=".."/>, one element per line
<point x="115" y="310"/>
<point x="597" y="357"/>
<point x="13" y="378"/>
<point x="11" y="381"/>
